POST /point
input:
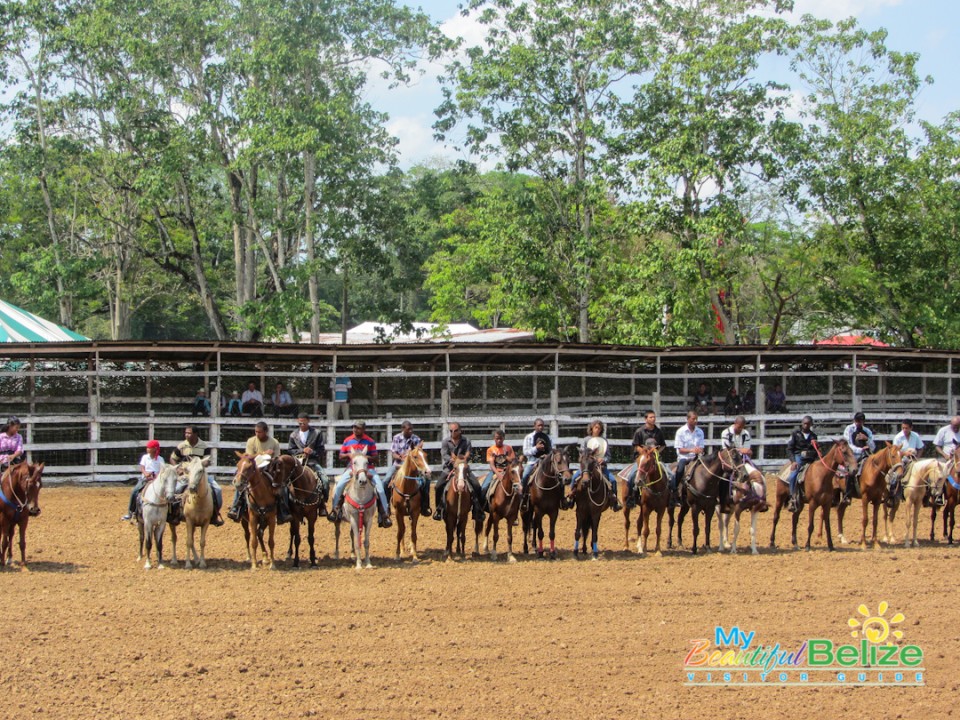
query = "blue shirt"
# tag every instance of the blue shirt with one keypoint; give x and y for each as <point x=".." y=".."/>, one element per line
<point x="341" y="389"/>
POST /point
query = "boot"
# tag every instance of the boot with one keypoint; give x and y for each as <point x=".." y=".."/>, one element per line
<point x="336" y="513"/>
<point x="383" y="517"/>
<point x="283" y="510"/>
<point x="234" y="512"/>
<point x="631" y="496"/>
<point x="794" y="504"/>
<point x="438" y="496"/>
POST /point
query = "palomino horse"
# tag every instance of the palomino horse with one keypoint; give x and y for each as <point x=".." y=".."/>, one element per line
<point x="702" y="493"/>
<point x="504" y="505"/>
<point x="591" y="495"/>
<point x="19" y="501"/>
<point x="873" y="490"/>
<point x="152" y="513"/>
<point x="653" y="496"/>
<point x="405" y="496"/>
<point x="261" y="509"/>
<point x="458" y="510"/>
<point x="547" y="481"/>
<point x="921" y="477"/>
<point x="750" y="494"/>
<point x="197" y="508"/>
<point x="306" y="499"/>
<point x="359" y="505"/>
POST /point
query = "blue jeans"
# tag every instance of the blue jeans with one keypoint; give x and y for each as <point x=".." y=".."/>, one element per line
<point x="377" y="483"/>
<point x="606" y="473"/>
<point x="527" y="472"/>
<point x="792" y="479"/>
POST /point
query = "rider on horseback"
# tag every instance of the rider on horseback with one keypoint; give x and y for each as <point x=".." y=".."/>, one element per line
<point x="307" y="442"/>
<point x="595" y="444"/>
<point x="736" y="437"/>
<point x="910" y="446"/>
<point x="453" y="446"/>
<point x="647" y="435"/>
<point x="802" y="451"/>
<point x="945" y="443"/>
<point x="150" y="465"/>
<point x="689" y="443"/>
<point x="499" y="449"/>
<point x="403" y="442"/>
<point x="359" y="440"/>
<point x="535" y="446"/>
<point x="860" y="440"/>
<point x="11" y="443"/>
<point x="191" y="447"/>
<point x="265" y="450"/>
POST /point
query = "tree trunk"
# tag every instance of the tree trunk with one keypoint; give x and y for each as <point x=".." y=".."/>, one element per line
<point x="309" y="188"/>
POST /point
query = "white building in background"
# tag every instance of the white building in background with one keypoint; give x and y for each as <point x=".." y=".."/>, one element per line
<point x="373" y="332"/>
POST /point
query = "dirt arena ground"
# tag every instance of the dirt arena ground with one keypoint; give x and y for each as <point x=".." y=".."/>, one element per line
<point x="88" y="633"/>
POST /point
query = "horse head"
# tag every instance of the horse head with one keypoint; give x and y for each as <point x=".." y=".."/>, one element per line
<point x="560" y="459"/>
<point x="197" y="471"/>
<point x="359" y="464"/>
<point x="167" y="481"/>
<point x="246" y="468"/>
<point x="419" y="459"/>
<point x="25" y="482"/>
<point x="846" y="460"/>
<point x="461" y="465"/>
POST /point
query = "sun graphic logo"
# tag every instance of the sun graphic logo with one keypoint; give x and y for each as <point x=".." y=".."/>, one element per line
<point x="875" y="628"/>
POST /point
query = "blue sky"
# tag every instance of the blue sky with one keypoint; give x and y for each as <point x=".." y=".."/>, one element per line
<point x="929" y="27"/>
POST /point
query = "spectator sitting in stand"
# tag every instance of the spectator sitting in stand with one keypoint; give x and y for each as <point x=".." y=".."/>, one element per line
<point x="776" y="400"/>
<point x="282" y="403"/>
<point x="703" y="402"/>
<point x="252" y="401"/>
<point x="201" y="404"/>
<point x="733" y="405"/>
<point x="232" y="408"/>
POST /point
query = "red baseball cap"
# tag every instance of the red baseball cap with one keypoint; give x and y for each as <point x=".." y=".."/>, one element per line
<point x="153" y="444"/>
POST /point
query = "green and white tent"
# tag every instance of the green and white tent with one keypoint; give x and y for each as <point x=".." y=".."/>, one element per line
<point x="17" y="325"/>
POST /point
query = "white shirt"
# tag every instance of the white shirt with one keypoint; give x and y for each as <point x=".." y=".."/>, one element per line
<point x="947" y="440"/>
<point x="303" y="436"/>
<point x="152" y="465"/>
<point x="908" y="443"/>
<point x="687" y="438"/>
<point x="849" y="434"/>
<point x="251" y="395"/>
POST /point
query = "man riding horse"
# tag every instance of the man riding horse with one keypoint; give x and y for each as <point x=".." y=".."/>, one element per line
<point x="945" y="443"/>
<point x="860" y="439"/>
<point x="801" y="449"/>
<point x="191" y="447"/>
<point x="357" y="441"/>
<point x="648" y="435"/>
<point x="456" y="445"/>
<point x="536" y="445"/>
<point x="265" y="450"/>
<point x="402" y="443"/>
<point x="306" y="442"/>
<point x="689" y="443"/>
<point x="910" y="446"/>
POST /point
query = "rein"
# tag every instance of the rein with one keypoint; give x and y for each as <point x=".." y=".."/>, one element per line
<point x="18" y="508"/>
<point x="541" y="471"/>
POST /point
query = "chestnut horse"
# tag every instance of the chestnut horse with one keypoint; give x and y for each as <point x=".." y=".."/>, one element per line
<point x="261" y="508"/>
<point x="591" y="496"/>
<point x="824" y="478"/>
<point x="654" y="497"/>
<point x="873" y="490"/>
<point x="459" y="506"/>
<point x="547" y="481"/>
<point x="19" y="501"/>
<point x="701" y="493"/>
<point x="504" y="505"/>
<point x="405" y="496"/>
<point x="306" y="500"/>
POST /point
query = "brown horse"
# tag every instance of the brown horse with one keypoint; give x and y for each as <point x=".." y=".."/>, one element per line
<point x="19" y="501"/>
<point x="405" y="496"/>
<point x="822" y="482"/>
<point x="873" y="490"/>
<point x="459" y="507"/>
<point x="950" y="477"/>
<point x="261" y="508"/>
<point x="504" y="505"/>
<point x="701" y="492"/>
<point x="547" y="481"/>
<point x="306" y="501"/>
<point x="653" y="496"/>
<point x="591" y="496"/>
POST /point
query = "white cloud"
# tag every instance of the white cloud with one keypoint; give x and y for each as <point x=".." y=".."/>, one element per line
<point x="840" y="9"/>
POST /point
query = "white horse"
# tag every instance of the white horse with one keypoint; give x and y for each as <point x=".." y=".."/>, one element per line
<point x="922" y="475"/>
<point x="359" y="506"/>
<point x="153" y="516"/>
<point x="197" y="508"/>
<point x="749" y="494"/>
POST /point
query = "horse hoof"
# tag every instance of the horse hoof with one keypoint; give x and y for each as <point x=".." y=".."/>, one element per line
<point x="511" y="558"/>
<point x="733" y="551"/>
<point x="147" y="566"/>
<point x="595" y="558"/>
<point x="553" y="554"/>
<point x="916" y="543"/>
<point x="659" y="553"/>
<point x="754" y="551"/>
<point x="863" y="546"/>
<point x="844" y="540"/>
<point x="728" y="546"/>
<point x="187" y="565"/>
<point x="202" y="565"/>
<point x="161" y="566"/>
<point x="368" y="566"/>
<point x="493" y="556"/>
<point x="173" y="563"/>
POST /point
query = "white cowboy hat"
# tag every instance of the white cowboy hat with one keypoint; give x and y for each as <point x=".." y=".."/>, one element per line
<point x="597" y="446"/>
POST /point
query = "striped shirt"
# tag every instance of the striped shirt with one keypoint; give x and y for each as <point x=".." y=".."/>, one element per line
<point x="357" y="443"/>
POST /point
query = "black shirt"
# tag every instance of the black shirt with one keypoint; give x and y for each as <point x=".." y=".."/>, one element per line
<point x="641" y="436"/>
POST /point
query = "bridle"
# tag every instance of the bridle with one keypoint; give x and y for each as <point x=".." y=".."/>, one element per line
<point x="552" y="460"/>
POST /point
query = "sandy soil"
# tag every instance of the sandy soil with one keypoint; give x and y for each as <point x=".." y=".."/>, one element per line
<point x="87" y="632"/>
